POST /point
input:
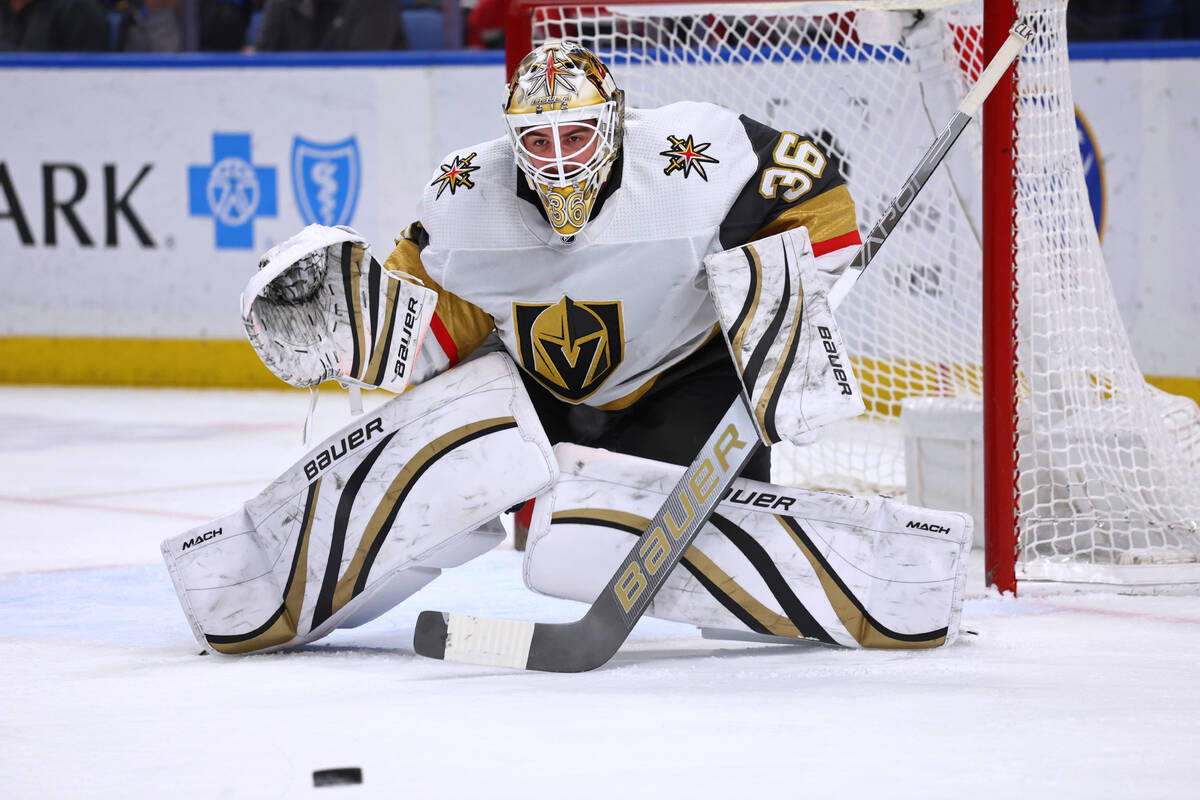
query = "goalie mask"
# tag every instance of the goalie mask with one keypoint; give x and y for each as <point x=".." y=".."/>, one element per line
<point x="564" y="115"/>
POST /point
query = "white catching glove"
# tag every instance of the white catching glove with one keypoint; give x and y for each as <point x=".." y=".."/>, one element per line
<point x="322" y="308"/>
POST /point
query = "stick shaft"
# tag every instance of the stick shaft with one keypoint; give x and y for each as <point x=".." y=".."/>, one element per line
<point x="1017" y="38"/>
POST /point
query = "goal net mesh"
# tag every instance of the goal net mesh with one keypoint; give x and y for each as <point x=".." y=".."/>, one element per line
<point x="1107" y="468"/>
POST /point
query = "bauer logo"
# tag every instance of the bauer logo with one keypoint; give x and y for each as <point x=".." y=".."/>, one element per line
<point x="342" y="446"/>
<point x="685" y="510"/>
<point x="326" y="180"/>
<point x="767" y="500"/>
<point x="232" y="190"/>
<point x="403" y="350"/>
<point x="835" y="360"/>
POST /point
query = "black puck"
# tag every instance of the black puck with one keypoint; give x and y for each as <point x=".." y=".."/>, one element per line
<point x="337" y="777"/>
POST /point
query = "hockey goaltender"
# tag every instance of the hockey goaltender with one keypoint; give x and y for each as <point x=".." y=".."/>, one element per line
<point x="577" y="305"/>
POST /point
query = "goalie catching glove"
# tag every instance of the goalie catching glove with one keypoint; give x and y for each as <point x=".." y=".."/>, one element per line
<point x="321" y="307"/>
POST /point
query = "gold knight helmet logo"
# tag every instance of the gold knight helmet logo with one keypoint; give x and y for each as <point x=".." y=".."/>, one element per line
<point x="570" y="348"/>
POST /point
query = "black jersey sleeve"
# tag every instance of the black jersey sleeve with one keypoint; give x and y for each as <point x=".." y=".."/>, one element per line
<point x="798" y="181"/>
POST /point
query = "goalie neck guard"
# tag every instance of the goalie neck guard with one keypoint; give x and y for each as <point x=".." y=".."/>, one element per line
<point x="564" y="115"/>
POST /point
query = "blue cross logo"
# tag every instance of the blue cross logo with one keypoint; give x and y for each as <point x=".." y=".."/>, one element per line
<point x="232" y="190"/>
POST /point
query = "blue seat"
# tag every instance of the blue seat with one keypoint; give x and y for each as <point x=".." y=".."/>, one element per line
<point x="114" y="29"/>
<point x="423" y="26"/>
<point x="256" y="20"/>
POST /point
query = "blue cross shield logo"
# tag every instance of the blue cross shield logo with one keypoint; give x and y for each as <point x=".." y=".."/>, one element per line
<point x="232" y="190"/>
<point x="326" y="178"/>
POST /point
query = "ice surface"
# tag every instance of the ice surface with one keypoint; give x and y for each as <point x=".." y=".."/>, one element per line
<point x="103" y="695"/>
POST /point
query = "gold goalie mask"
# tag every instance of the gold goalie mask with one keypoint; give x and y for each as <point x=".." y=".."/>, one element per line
<point x="564" y="115"/>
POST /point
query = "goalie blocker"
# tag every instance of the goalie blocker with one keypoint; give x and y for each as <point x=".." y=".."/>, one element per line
<point x="772" y="562"/>
<point x="772" y="302"/>
<point x="368" y="517"/>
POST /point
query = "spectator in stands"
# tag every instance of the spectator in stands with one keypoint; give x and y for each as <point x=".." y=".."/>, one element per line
<point x="331" y="25"/>
<point x="223" y="24"/>
<point x="53" y="25"/>
<point x="1106" y="20"/>
<point x="149" y="26"/>
<point x="1189" y="26"/>
<point x="485" y="24"/>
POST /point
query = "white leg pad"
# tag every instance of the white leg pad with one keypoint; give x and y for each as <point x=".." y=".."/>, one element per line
<point x="369" y="516"/>
<point x="773" y="562"/>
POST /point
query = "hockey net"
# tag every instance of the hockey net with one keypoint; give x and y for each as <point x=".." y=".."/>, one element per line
<point x="1105" y="484"/>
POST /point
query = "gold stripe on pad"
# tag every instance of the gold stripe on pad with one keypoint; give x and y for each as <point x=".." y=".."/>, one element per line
<point x="361" y="343"/>
<point x="387" y="321"/>
<point x="852" y="618"/>
<point x="377" y="526"/>
<point x="623" y="519"/>
<point x="777" y="624"/>
<point x="760" y="410"/>
<point x="739" y="335"/>
<point x="284" y="628"/>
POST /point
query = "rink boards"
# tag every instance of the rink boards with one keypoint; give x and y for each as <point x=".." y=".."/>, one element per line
<point x="143" y="192"/>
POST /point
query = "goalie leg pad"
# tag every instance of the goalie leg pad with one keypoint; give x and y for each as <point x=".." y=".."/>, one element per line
<point x="772" y="561"/>
<point x="369" y="516"/>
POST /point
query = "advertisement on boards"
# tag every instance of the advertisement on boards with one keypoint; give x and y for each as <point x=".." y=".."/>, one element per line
<point x="141" y="199"/>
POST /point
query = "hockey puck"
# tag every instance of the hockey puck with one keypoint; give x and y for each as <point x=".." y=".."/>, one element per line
<point x="337" y="777"/>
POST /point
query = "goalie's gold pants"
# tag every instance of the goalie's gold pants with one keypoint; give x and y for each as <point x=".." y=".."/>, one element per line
<point x="670" y="422"/>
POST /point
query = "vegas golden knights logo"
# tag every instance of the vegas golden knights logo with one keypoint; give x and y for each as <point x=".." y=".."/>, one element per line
<point x="570" y="348"/>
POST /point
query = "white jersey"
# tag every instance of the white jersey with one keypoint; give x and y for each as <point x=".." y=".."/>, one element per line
<point x="597" y="316"/>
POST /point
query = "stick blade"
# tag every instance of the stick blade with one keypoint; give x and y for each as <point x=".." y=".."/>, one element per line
<point x="429" y="638"/>
<point x="473" y="640"/>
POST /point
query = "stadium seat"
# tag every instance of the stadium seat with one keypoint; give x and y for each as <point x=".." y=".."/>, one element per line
<point x="114" y="29"/>
<point x="256" y="20"/>
<point x="423" y="26"/>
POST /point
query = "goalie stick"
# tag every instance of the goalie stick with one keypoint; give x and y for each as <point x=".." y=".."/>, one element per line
<point x="592" y="640"/>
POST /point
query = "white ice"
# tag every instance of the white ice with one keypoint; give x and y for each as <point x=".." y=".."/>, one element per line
<point x="103" y="693"/>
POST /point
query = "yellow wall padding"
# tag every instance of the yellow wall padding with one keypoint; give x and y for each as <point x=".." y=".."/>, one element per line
<point x="228" y="363"/>
<point x="232" y="363"/>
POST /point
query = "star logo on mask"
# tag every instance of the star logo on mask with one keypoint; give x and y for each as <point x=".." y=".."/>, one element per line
<point x="455" y="174"/>
<point x="550" y="77"/>
<point x="688" y="156"/>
